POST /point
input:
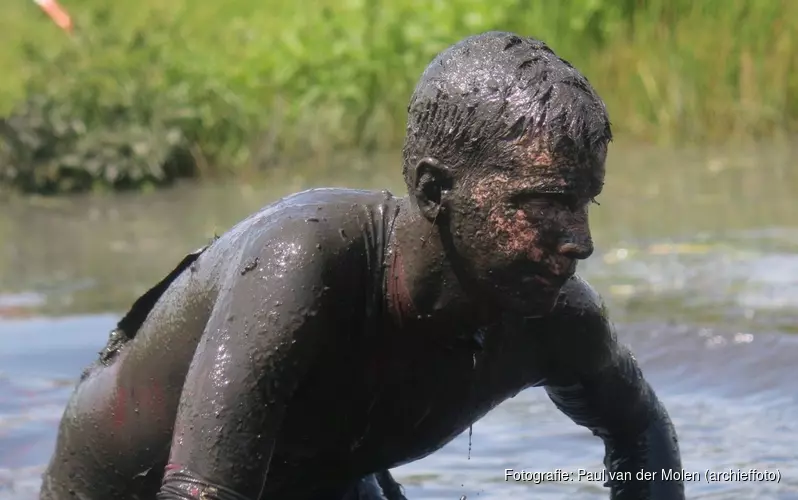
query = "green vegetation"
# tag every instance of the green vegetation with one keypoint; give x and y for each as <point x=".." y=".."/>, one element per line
<point x="146" y="92"/>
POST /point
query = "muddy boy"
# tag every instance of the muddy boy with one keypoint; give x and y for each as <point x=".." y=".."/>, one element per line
<point x="347" y="332"/>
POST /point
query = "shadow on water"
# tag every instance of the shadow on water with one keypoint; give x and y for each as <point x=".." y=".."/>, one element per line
<point x="696" y="254"/>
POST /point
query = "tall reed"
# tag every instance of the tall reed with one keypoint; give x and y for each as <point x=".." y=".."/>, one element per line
<point x="248" y="81"/>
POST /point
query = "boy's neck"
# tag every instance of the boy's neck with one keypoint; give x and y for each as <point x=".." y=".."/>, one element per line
<point x="420" y="281"/>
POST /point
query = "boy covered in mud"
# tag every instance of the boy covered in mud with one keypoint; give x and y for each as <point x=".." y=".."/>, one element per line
<point x="336" y="334"/>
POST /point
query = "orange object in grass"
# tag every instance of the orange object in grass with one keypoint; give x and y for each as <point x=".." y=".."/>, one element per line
<point x="57" y="13"/>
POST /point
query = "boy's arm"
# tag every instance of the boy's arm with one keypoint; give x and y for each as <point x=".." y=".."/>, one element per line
<point x="268" y="327"/>
<point x="597" y="383"/>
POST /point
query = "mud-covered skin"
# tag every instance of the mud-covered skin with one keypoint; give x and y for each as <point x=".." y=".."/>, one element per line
<point x="208" y="321"/>
<point x="302" y="350"/>
<point x="340" y="333"/>
<point x="530" y="216"/>
<point x="522" y="136"/>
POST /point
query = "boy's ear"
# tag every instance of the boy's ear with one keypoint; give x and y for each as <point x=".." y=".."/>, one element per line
<point x="430" y="181"/>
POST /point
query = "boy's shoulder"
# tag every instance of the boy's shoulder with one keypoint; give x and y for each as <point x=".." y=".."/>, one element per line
<point x="321" y="210"/>
<point x="327" y="219"/>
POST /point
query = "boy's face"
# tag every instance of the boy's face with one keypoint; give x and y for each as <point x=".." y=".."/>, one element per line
<point x="520" y="230"/>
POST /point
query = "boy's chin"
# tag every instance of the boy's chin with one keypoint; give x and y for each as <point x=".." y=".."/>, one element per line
<point x="537" y="305"/>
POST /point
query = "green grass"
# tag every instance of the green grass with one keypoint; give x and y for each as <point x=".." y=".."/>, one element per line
<point x="249" y="83"/>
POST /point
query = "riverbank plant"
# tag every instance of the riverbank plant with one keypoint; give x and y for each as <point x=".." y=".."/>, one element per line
<point x="147" y="92"/>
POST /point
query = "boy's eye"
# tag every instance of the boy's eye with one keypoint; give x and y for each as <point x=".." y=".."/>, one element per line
<point x="538" y="200"/>
<point x="566" y="200"/>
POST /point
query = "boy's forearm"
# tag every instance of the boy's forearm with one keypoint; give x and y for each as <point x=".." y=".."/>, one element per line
<point x="646" y="466"/>
<point x="620" y="407"/>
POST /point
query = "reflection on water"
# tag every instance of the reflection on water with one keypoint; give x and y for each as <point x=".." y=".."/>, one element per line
<point x="696" y="253"/>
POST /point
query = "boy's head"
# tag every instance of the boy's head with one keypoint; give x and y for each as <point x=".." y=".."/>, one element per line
<point x="505" y="149"/>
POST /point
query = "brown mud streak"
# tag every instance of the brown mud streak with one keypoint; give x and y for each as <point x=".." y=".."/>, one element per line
<point x="249" y="266"/>
<point x="400" y="303"/>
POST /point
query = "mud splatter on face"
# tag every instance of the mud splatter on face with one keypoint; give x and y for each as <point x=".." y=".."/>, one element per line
<point x="529" y="222"/>
<point x="510" y="227"/>
<point x="519" y="234"/>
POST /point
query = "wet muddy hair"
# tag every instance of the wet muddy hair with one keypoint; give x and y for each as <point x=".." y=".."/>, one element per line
<point x="482" y="95"/>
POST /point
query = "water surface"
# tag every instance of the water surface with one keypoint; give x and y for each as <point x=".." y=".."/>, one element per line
<point x="696" y="254"/>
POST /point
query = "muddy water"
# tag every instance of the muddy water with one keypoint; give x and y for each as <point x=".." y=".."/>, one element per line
<point x="697" y="255"/>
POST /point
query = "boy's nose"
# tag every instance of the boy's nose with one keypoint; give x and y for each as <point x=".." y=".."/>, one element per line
<point x="576" y="247"/>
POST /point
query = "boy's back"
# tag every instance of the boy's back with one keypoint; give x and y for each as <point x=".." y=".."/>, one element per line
<point x="118" y="427"/>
